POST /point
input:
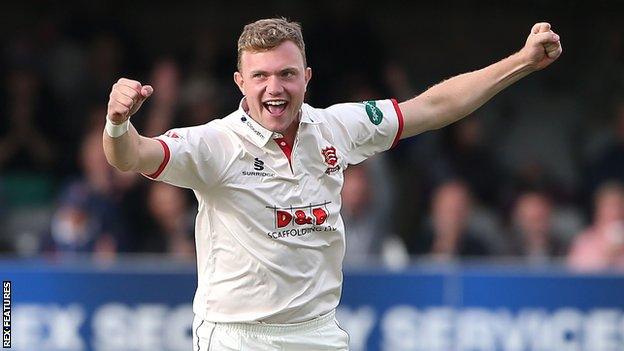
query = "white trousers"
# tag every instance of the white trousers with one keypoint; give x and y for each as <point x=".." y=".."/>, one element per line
<point x="322" y="333"/>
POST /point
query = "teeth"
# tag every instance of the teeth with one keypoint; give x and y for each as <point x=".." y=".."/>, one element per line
<point x="275" y="103"/>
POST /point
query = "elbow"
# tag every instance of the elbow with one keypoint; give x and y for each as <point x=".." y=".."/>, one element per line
<point x="120" y="165"/>
<point x="124" y="167"/>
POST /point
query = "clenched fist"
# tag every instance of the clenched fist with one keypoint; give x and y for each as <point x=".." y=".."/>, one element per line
<point x="542" y="47"/>
<point x="126" y="98"/>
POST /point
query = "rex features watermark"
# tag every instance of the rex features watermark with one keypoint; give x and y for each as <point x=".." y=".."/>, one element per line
<point x="6" y="314"/>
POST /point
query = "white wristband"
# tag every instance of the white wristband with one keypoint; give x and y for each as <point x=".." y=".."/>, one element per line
<point x="116" y="130"/>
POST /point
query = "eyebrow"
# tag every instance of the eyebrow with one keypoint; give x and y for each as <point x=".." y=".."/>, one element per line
<point x="284" y="70"/>
<point x="257" y="71"/>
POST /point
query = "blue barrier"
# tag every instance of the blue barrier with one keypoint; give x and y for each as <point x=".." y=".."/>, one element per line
<point x="137" y="305"/>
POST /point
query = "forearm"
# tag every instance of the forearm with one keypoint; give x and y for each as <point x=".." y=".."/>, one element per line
<point x="122" y="152"/>
<point x="133" y="152"/>
<point x="461" y="95"/>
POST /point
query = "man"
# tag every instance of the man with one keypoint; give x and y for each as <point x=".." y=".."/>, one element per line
<point x="533" y="234"/>
<point x="448" y="234"/>
<point x="601" y="245"/>
<point x="267" y="177"/>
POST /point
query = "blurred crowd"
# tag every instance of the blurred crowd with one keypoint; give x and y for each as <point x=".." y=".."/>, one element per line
<point x="536" y="175"/>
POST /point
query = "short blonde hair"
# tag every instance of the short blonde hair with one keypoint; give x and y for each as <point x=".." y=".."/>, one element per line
<point x="266" y="34"/>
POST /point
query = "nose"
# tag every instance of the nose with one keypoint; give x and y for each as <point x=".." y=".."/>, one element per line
<point x="274" y="86"/>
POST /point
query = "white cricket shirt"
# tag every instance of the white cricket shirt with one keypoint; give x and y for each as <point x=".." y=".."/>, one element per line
<point x="269" y="236"/>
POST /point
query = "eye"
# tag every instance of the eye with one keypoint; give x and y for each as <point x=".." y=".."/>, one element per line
<point x="288" y="74"/>
<point x="258" y="75"/>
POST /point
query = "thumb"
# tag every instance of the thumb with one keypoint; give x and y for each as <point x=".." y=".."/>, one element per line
<point x="146" y="91"/>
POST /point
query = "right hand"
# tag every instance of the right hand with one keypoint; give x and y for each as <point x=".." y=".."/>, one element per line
<point x="542" y="47"/>
<point x="126" y="98"/>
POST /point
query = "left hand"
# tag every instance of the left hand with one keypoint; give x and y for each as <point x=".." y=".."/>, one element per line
<point x="542" y="47"/>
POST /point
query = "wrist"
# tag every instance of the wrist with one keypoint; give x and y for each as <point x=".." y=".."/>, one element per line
<point x="525" y="61"/>
<point x="518" y="66"/>
<point x="116" y="130"/>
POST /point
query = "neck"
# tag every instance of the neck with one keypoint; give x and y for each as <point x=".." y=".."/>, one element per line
<point x="290" y="132"/>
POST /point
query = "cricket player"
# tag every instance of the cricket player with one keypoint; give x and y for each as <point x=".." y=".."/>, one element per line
<point x="270" y="239"/>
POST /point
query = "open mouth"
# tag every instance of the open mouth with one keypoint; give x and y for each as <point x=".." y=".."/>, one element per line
<point x="275" y="107"/>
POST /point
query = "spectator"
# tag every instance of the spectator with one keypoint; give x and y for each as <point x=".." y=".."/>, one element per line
<point x="536" y="137"/>
<point x="87" y="220"/>
<point x="447" y="234"/>
<point x="126" y="190"/>
<point x="201" y="100"/>
<point x="366" y="212"/>
<point x="84" y="222"/>
<point x="608" y="164"/>
<point x="172" y="233"/>
<point x="533" y="236"/>
<point x="26" y="135"/>
<point x="165" y="78"/>
<point x="104" y="62"/>
<point x="601" y="246"/>
<point x="465" y="155"/>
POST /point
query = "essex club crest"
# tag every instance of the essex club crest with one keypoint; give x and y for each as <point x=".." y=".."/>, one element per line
<point x="331" y="159"/>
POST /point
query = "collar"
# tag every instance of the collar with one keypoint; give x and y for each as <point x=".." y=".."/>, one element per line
<point x="260" y="135"/>
<point x="252" y="129"/>
<point x="306" y="115"/>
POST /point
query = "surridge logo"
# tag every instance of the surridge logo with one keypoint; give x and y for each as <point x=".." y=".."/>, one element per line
<point x="258" y="164"/>
<point x="258" y="167"/>
<point x="331" y="159"/>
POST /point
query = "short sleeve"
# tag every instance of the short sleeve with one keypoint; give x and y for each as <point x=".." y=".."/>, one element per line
<point x="195" y="157"/>
<point x="364" y="129"/>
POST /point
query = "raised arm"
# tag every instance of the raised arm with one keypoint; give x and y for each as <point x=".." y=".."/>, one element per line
<point x="459" y="96"/>
<point x="126" y="150"/>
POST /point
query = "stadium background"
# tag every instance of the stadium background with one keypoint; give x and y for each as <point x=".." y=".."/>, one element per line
<point x="95" y="264"/>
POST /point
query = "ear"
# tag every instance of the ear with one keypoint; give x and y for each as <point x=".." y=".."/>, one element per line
<point x="238" y="79"/>
<point x="308" y="76"/>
